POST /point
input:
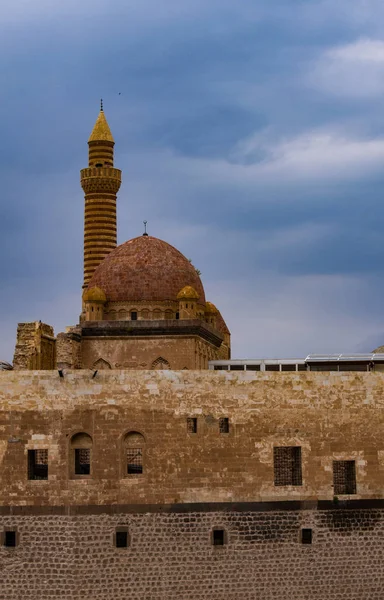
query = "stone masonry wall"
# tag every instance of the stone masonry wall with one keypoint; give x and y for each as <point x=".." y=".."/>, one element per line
<point x="331" y="416"/>
<point x="35" y="346"/>
<point x="171" y="557"/>
<point x="180" y="352"/>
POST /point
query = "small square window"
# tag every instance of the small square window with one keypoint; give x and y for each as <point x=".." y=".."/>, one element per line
<point x="121" y="539"/>
<point x="218" y="537"/>
<point x="192" y="425"/>
<point x="306" y="536"/>
<point x="37" y="464"/>
<point x="10" y="539"/>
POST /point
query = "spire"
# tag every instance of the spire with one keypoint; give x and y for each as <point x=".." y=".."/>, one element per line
<point x="101" y="131"/>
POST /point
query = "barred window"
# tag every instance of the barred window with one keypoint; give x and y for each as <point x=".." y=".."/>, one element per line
<point x="134" y="461"/>
<point x="192" y="425"/>
<point x="81" y="449"/>
<point x="287" y="465"/>
<point x="224" y="425"/>
<point x="344" y="477"/>
<point x="134" y="444"/>
<point x="82" y="461"/>
<point x="37" y="464"/>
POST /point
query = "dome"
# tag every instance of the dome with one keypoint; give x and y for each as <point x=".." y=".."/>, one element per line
<point x="188" y="292"/>
<point x="94" y="294"/>
<point x="146" y="269"/>
<point x="211" y="309"/>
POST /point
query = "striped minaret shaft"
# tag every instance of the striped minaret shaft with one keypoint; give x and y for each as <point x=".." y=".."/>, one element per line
<point x="100" y="182"/>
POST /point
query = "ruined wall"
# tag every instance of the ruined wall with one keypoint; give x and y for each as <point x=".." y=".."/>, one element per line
<point x="35" y="346"/>
<point x="171" y="557"/>
<point x="331" y="416"/>
<point x="68" y="349"/>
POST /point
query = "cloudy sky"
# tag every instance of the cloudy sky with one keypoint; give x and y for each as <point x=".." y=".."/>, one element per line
<point x="251" y="137"/>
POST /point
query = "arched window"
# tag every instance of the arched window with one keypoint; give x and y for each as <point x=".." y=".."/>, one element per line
<point x="157" y="314"/>
<point x="122" y="315"/>
<point x="145" y="314"/>
<point x="134" y="444"/>
<point x="81" y="455"/>
<point x="169" y="314"/>
<point x="112" y="315"/>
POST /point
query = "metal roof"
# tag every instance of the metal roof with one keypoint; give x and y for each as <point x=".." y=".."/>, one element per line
<point x="371" y="357"/>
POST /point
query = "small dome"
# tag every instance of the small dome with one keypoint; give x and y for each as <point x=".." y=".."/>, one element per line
<point x="94" y="294"/>
<point x="146" y="269"/>
<point x="211" y="309"/>
<point x="189" y="293"/>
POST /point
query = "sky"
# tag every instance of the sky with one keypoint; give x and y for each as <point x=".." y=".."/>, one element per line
<point x="250" y="134"/>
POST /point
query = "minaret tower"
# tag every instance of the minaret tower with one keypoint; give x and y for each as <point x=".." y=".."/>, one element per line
<point x="100" y="182"/>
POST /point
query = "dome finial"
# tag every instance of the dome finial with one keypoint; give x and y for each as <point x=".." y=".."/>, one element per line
<point x="101" y="131"/>
<point x="145" y="228"/>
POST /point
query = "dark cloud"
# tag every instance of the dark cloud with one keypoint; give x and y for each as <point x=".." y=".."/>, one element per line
<point x="211" y="105"/>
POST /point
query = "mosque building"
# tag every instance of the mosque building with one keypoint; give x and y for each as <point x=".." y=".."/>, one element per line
<point x="143" y="302"/>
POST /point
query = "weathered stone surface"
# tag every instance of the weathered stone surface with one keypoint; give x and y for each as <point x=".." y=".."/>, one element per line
<point x="171" y="557"/>
<point x="327" y="414"/>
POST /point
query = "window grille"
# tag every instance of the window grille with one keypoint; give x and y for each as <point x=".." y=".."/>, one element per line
<point x="287" y="465"/>
<point x="192" y="425"/>
<point x="134" y="461"/>
<point x="37" y="464"/>
<point x="82" y="461"/>
<point x="344" y="477"/>
<point x="224" y="425"/>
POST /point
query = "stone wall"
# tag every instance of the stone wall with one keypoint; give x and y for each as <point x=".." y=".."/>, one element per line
<point x="35" y="346"/>
<point x="331" y="416"/>
<point x="170" y="556"/>
<point x="178" y="352"/>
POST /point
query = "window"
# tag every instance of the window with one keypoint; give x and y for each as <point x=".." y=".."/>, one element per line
<point x="121" y="537"/>
<point x="287" y="465"/>
<point x="10" y="539"/>
<point x="81" y="450"/>
<point x="82" y="461"/>
<point x="192" y="425"/>
<point x="236" y="367"/>
<point x="253" y="367"/>
<point x="134" y="449"/>
<point x="177" y="315"/>
<point x="224" y="425"/>
<point x="37" y="464"/>
<point x="288" y="367"/>
<point x="344" y="477"/>
<point x="306" y="536"/>
<point x="272" y="367"/>
<point x="218" y="537"/>
<point x="134" y="315"/>
<point x="98" y="165"/>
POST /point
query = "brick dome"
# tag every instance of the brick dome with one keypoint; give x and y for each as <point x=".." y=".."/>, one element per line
<point x="146" y="269"/>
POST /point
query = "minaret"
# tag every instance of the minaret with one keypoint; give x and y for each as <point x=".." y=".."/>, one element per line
<point x="100" y="182"/>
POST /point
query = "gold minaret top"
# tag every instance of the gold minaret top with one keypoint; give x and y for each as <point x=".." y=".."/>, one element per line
<point x="101" y="131"/>
<point x="100" y="182"/>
